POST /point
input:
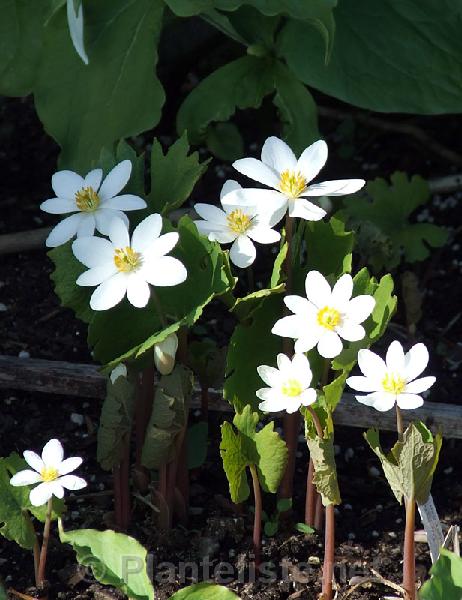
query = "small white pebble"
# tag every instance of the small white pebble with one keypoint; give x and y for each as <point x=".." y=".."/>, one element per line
<point x="24" y="354"/>
<point x="375" y="533"/>
<point x="349" y="453"/>
<point x="232" y="553"/>
<point x="197" y="413"/>
<point x="351" y="536"/>
<point x="74" y="514"/>
<point x="101" y="486"/>
<point x="379" y="507"/>
<point x="337" y="449"/>
<point x="392" y="534"/>
<point x="3" y="307"/>
<point x="399" y="521"/>
<point x="373" y="471"/>
<point x="77" y="419"/>
<point x="448" y="470"/>
<point x="347" y="507"/>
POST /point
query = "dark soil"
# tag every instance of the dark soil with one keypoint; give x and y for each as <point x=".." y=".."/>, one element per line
<point x="369" y="522"/>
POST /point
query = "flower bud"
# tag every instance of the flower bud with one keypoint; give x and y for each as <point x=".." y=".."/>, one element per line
<point x="119" y="371"/>
<point x="164" y="354"/>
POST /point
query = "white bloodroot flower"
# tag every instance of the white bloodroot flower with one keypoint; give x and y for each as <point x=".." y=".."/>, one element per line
<point x="164" y="354"/>
<point x="75" y="22"/>
<point x="290" y="178"/>
<point x="393" y="380"/>
<point x="93" y="203"/>
<point x="240" y="223"/>
<point x="325" y="316"/>
<point x="119" y="266"/>
<point x="51" y="472"/>
<point x="289" y="384"/>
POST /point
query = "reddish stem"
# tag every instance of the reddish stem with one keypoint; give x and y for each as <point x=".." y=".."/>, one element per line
<point x="122" y="488"/>
<point x="46" y="538"/>
<point x="409" y="550"/>
<point x="310" y="502"/>
<point x="329" y="554"/>
<point x="318" y="513"/>
<point x="258" y="516"/>
<point x="143" y="409"/>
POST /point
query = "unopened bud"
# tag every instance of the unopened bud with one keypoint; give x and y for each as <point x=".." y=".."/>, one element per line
<point x="164" y="354"/>
<point x="119" y="371"/>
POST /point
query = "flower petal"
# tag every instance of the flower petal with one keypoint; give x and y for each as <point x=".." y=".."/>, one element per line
<point x="138" y="291"/>
<point x="381" y="401"/>
<point x="124" y="202"/>
<point x="277" y="155"/>
<point x="351" y="332"/>
<point x="308" y="339"/>
<point x="313" y="159"/>
<point x="70" y="464"/>
<point x="66" y="184"/>
<point x="330" y="345"/>
<point x="290" y="327"/>
<point x="258" y="171"/>
<point x="52" y="453"/>
<point x="273" y="401"/>
<point x="362" y="384"/>
<point x="304" y="209"/>
<point x="93" y="179"/>
<point x="96" y="275"/>
<point x="75" y="22"/>
<point x="57" y="489"/>
<point x="161" y="246"/>
<point x="419" y="385"/>
<point x="308" y="397"/>
<point x="41" y="494"/>
<point x="270" y="375"/>
<point x="26" y="477"/>
<point x="147" y="232"/>
<point x="263" y="235"/>
<point x="58" y="206"/>
<point x="115" y="180"/>
<point x="64" y="231"/>
<point x="340" y="187"/>
<point x="317" y="289"/>
<point x="211" y="213"/>
<point x="360" y="308"/>
<point x="284" y="363"/>
<point x="409" y="401"/>
<point x="165" y="271"/>
<point x="93" y="252"/>
<point x="72" y="482"/>
<point x="104" y="216"/>
<point x="299" y="305"/>
<point x="270" y="205"/>
<point x="371" y="365"/>
<point x="301" y="370"/>
<point x="416" y="361"/>
<point x="86" y="226"/>
<point x="242" y="252"/>
<point x="342" y="290"/>
<point x="109" y="293"/>
<point x="229" y="186"/>
<point x="118" y="233"/>
<point x="395" y="357"/>
<point x="214" y="232"/>
<point x="33" y="460"/>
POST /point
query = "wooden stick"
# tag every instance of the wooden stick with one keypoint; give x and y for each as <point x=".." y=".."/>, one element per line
<point x="85" y="381"/>
<point x="22" y="241"/>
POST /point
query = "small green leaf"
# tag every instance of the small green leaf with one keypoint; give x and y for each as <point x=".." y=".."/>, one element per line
<point x="271" y="528"/>
<point x="204" y="591"/>
<point x="304" y="528"/>
<point x="446" y="578"/>
<point x="173" y="175"/>
<point x="410" y="465"/>
<point x="115" y="559"/>
<point x="116" y="422"/>
<point x="168" y="417"/>
<point x="196" y="444"/>
<point x="284" y="504"/>
<point x="246" y="447"/>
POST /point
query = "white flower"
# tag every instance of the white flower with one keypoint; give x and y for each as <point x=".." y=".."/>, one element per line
<point x="289" y="384"/>
<point x="164" y="354"/>
<point x="51" y="472"/>
<point x="393" y="380"/>
<point x="119" y="266"/>
<point x="280" y="170"/>
<point x="119" y="371"/>
<point x="75" y="22"/>
<point x="240" y="223"/>
<point x="93" y="203"/>
<point x="325" y="316"/>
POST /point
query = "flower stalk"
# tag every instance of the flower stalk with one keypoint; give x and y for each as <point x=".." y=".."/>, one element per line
<point x="257" y="517"/>
<point x="46" y="537"/>
<point x="409" y="550"/>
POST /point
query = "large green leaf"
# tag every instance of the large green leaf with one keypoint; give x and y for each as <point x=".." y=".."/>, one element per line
<point x="21" y="41"/>
<point x="411" y="463"/>
<point x="115" y="559"/>
<point x="86" y="107"/>
<point x="204" y="591"/>
<point x="245" y="448"/>
<point x="389" y="55"/>
<point x="388" y="210"/>
<point x="242" y="83"/>
<point x="325" y="471"/>
<point x="446" y="578"/>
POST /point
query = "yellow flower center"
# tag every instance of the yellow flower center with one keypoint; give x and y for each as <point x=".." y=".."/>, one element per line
<point x="49" y="474"/>
<point x="127" y="260"/>
<point x="329" y="317"/>
<point x="292" y="388"/>
<point x="393" y="384"/>
<point x="292" y="183"/>
<point x="238" y="221"/>
<point x="87" y="199"/>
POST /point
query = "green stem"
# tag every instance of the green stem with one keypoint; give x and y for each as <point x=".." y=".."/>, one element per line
<point x="46" y="537"/>
<point x="36" y="549"/>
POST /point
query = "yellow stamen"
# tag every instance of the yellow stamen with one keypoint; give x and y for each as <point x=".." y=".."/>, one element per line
<point x="292" y="183"/>
<point x="49" y="474"/>
<point x="292" y="388"/>
<point x="87" y="199"/>
<point x="127" y="260"/>
<point x="329" y="317"/>
<point x="238" y="221"/>
<point x="393" y="383"/>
